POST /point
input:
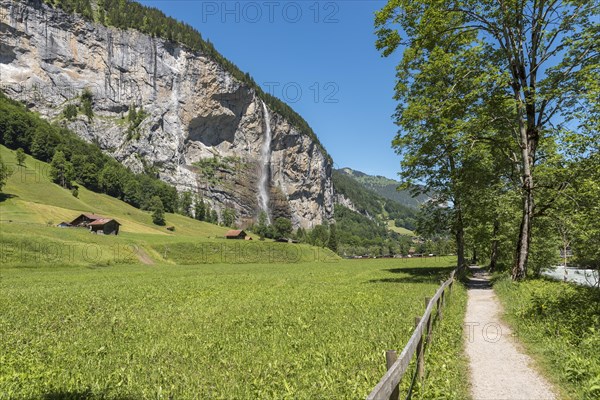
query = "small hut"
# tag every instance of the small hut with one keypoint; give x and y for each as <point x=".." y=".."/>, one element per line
<point x="105" y="226"/>
<point x="84" y="220"/>
<point x="236" y="234"/>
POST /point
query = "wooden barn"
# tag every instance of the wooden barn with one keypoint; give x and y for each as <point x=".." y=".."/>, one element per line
<point x="105" y="226"/>
<point x="236" y="234"/>
<point x="96" y="224"/>
<point x="84" y="220"/>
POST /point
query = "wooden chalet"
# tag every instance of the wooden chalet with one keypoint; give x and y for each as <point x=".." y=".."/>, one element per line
<point x="105" y="226"/>
<point x="84" y="220"/>
<point x="96" y="224"/>
<point x="236" y="234"/>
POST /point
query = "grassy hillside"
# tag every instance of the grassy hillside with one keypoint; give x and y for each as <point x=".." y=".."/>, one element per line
<point x="399" y="230"/>
<point x="385" y="187"/>
<point x="31" y="205"/>
<point x="371" y="204"/>
<point x="368" y="202"/>
<point x="30" y="196"/>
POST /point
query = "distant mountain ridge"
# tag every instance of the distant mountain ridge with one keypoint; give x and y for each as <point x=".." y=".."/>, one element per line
<point x="353" y="195"/>
<point x="385" y="187"/>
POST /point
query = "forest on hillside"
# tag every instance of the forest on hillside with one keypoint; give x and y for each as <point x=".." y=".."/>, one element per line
<point x="75" y="161"/>
<point x="372" y="205"/>
<point x="387" y="188"/>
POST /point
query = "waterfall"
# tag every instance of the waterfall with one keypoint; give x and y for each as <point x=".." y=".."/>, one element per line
<point x="265" y="160"/>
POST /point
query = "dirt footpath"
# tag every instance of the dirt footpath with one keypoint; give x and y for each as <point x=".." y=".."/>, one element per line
<point x="499" y="370"/>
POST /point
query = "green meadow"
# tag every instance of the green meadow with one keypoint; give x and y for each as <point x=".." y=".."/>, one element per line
<point x="154" y="314"/>
<point x="263" y="330"/>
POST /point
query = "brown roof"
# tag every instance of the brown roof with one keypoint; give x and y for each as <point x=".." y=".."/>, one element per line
<point x="92" y="216"/>
<point x="233" y="233"/>
<point x="102" y="221"/>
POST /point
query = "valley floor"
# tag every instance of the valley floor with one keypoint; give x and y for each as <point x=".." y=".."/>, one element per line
<point x="262" y="330"/>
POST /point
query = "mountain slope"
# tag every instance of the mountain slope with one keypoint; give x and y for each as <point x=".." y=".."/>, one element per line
<point x="369" y="203"/>
<point x="162" y="100"/>
<point x="385" y="187"/>
<point x="31" y="205"/>
<point x="31" y="197"/>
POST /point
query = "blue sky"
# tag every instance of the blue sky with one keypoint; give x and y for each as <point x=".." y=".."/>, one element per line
<point x="319" y="57"/>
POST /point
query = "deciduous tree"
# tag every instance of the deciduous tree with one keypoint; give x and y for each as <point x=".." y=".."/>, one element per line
<point x="541" y="52"/>
<point x="61" y="170"/>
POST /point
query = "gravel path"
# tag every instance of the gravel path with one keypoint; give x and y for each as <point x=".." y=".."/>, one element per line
<point x="498" y="368"/>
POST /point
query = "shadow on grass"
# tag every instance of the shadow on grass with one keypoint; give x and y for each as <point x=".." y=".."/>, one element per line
<point x="416" y="275"/>
<point x="6" y="196"/>
<point x="82" y="395"/>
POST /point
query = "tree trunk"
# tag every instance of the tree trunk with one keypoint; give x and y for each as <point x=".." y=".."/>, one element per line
<point x="522" y="254"/>
<point x="528" y="145"/>
<point x="460" y="237"/>
<point x="495" y="243"/>
<point x="529" y="137"/>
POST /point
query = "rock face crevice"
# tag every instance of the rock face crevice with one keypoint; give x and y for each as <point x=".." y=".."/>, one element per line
<point x="194" y="110"/>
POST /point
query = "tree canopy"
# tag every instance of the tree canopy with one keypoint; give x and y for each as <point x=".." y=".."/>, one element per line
<point x="491" y="95"/>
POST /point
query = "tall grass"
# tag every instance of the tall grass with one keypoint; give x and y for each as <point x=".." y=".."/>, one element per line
<point x="269" y="331"/>
<point x="559" y="324"/>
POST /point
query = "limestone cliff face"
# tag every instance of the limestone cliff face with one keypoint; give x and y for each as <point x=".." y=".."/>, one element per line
<point x="194" y="111"/>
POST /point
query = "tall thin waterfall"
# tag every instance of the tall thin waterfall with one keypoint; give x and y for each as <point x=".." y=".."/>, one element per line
<point x="265" y="160"/>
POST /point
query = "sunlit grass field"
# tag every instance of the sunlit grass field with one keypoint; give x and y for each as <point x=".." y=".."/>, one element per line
<point x="153" y="314"/>
<point x="263" y="330"/>
<point x="398" y="229"/>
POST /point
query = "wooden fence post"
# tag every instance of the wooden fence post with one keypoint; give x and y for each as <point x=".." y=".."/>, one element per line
<point x="443" y="298"/>
<point x="429" y="320"/>
<point x="390" y="359"/>
<point x="420" y="358"/>
<point x="386" y="388"/>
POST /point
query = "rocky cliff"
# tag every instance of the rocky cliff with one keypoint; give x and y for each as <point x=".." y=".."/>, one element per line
<point x="198" y="126"/>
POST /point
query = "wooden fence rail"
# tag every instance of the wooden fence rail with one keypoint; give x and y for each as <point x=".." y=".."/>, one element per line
<point x="388" y="386"/>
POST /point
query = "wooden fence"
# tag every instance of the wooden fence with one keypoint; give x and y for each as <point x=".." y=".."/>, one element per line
<point x="388" y="386"/>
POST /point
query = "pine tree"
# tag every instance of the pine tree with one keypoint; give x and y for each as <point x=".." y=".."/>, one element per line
<point x="61" y="171"/>
<point x="20" y="156"/>
<point x="199" y="209"/>
<point x="333" y="240"/>
<point x="228" y="217"/>
<point x="158" y="211"/>
<point x="214" y="217"/>
<point x="185" y="204"/>
<point x="261" y="227"/>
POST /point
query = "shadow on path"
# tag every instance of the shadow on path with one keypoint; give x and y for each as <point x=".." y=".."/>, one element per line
<point x="479" y="279"/>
